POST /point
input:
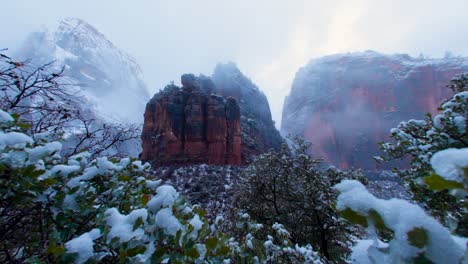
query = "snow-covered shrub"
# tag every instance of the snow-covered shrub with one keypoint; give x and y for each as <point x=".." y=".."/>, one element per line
<point x="64" y="210"/>
<point x="288" y="187"/>
<point x="415" y="236"/>
<point x="420" y="139"/>
<point x="259" y="243"/>
<point x="54" y="209"/>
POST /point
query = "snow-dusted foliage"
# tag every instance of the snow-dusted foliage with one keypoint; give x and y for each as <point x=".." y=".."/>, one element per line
<point x="414" y="234"/>
<point x="288" y="187"/>
<point x="419" y="140"/>
<point x="63" y="210"/>
<point x="451" y="164"/>
<point x="268" y="244"/>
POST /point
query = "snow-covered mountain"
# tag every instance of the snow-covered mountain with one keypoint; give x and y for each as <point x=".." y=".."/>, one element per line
<point x="108" y="77"/>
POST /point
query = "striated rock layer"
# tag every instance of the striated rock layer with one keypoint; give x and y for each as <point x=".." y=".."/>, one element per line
<point x="345" y="104"/>
<point x="189" y="125"/>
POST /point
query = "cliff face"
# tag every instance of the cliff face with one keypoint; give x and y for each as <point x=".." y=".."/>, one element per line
<point x="345" y="104"/>
<point x="190" y="125"/>
<point x="259" y="133"/>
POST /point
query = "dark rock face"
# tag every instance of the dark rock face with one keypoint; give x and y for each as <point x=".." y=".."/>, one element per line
<point x="345" y="104"/>
<point x="188" y="125"/>
<point x="258" y="129"/>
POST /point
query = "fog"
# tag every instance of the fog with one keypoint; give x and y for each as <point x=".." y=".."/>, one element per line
<point x="269" y="40"/>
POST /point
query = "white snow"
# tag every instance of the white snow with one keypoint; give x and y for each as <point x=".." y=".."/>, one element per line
<point x="40" y="152"/>
<point x="152" y="184"/>
<point x="167" y="221"/>
<point x="83" y="245"/>
<point x="14" y="139"/>
<point x="165" y="196"/>
<point x="460" y="122"/>
<point x="197" y="225"/>
<point x="5" y="117"/>
<point x="360" y="255"/>
<point x="201" y="248"/>
<point x="401" y="217"/>
<point x="280" y="229"/>
<point x="450" y="163"/>
<point x="64" y="170"/>
<point x="61" y="55"/>
<point x="101" y="166"/>
<point x="248" y="241"/>
<point x="121" y="226"/>
<point x="79" y="159"/>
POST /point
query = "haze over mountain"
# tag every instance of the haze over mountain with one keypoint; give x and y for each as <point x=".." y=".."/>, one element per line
<point x="109" y="78"/>
<point x="269" y="40"/>
<point x="344" y="104"/>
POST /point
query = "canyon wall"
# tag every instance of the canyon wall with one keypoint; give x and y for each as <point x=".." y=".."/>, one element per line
<point x="345" y="104"/>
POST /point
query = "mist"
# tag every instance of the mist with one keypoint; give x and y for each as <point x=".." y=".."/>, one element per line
<point x="268" y="40"/>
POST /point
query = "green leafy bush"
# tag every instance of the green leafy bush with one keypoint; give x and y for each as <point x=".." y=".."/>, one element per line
<point x="62" y="210"/>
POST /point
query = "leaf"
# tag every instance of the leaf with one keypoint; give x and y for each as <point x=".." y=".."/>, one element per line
<point x="354" y="217"/>
<point x="437" y="183"/>
<point x="136" y="250"/>
<point x="211" y="243"/>
<point x="139" y="222"/>
<point x="124" y="178"/>
<point x="202" y="213"/>
<point x="178" y="235"/>
<point x="159" y="252"/>
<point x="193" y="253"/>
<point x="15" y="116"/>
<point x="418" y="237"/>
<point x="377" y="219"/>
<point x="24" y="126"/>
<point x="55" y="250"/>
<point x="145" y="199"/>
<point x="224" y="250"/>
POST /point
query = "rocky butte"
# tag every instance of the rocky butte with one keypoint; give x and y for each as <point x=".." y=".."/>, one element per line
<point x="190" y="125"/>
<point x="220" y="120"/>
<point x="345" y="104"/>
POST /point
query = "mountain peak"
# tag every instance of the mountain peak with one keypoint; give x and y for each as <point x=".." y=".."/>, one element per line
<point x="77" y="25"/>
<point x="104" y="72"/>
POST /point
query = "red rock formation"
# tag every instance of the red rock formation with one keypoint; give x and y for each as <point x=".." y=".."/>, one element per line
<point x="188" y="125"/>
<point x="345" y="104"/>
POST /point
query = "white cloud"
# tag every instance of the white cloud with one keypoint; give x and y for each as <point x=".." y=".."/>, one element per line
<point x="269" y="40"/>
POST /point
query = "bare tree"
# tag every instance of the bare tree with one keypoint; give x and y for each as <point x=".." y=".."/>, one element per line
<point x="47" y="101"/>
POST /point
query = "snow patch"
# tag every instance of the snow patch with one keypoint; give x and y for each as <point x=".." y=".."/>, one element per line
<point x="450" y="163"/>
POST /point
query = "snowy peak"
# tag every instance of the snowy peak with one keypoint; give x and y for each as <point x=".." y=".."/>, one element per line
<point x="110" y="78"/>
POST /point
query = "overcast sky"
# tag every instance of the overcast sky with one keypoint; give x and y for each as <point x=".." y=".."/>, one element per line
<point x="268" y="39"/>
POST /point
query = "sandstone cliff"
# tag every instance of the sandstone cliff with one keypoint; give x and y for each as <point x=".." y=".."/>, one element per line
<point x="345" y="104"/>
<point x="189" y="125"/>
